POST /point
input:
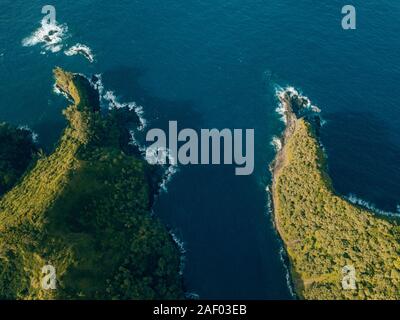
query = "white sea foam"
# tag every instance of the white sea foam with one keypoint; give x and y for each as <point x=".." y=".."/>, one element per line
<point x="280" y="92"/>
<point x="57" y="91"/>
<point x="170" y="172"/>
<point x="108" y="99"/>
<point x="276" y="143"/>
<point x="81" y="49"/>
<point x="162" y="156"/>
<point x="282" y="256"/>
<point x="370" y="206"/>
<point x="97" y="83"/>
<point x="133" y="141"/>
<point x="294" y="92"/>
<point x="50" y="36"/>
<point x="181" y="246"/>
<point x="153" y="156"/>
<point x="281" y="111"/>
<point x="113" y="102"/>
<point x="34" y="135"/>
<point x="270" y="212"/>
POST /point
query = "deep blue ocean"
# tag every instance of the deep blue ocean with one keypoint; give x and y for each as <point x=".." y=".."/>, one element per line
<point x="215" y="63"/>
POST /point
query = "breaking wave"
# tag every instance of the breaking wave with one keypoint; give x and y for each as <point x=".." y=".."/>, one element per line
<point x="370" y="206"/>
<point x="295" y="93"/>
<point x="170" y="172"/>
<point x="34" y="135"/>
<point x="134" y="142"/>
<point x="162" y="156"/>
<point x="50" y="36"/>
<point x="113" y="102"/>
<point x="109" y="100"/>
<point x="81" y="49"/>
<point x="57" y="91"/>
<point x="97" y="83"/>
<point x="280" y="92"/>
<point x="181" y="246"/>
<point x="276" y="142"/>
<point x="283" y="258"/>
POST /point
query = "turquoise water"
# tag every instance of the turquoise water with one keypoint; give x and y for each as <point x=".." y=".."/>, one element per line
<point x="215" y="64"/>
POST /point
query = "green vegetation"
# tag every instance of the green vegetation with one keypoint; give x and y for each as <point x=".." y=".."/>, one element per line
<point x="323" y="232"/>
<point x="85" y="210"/>
<point x="17" y="151"/>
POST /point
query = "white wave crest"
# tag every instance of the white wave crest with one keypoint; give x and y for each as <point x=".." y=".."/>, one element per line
<point x="51" y="36"/>
<point x="293" y="92"/>
<point x="134" y="142"/>
<point x="109" y="100"/>
<point x="282" y="256"/>
<point x="281" y="111"/>
<point x="281" y="92"/>
<point x="34" y="135"/>
<point x="181" y="246"/>
<point x="97" y="83"/>
<point x="162" y="156"/>
<point x="57" y="91"/>
<point x="172" y="169"/>
<point x="157" y="156"/>
<point x="276" y="143"/>
<point x="113" y="102"/>
<point x="81" y="49"/>
<point x="370" y="206"/>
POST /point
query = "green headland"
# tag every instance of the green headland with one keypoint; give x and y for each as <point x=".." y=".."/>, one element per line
<point x="321" y="230"/>
<point x="84" y="209"/>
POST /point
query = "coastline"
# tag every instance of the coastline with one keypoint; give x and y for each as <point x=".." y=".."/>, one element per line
<point x="323" y="232"/>
<point x="290" y="123"/>
<point x="67" y="206"/>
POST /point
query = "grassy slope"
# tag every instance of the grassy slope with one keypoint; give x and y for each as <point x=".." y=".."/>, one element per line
<point x="323" y="232"/>
<point x="85" y="210"/>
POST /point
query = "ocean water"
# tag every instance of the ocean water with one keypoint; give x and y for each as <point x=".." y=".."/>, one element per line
<point x="215" y="63"/>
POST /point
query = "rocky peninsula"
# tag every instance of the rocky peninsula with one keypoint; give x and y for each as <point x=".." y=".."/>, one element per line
<point x="83" y="212"/>
<point x="324" y="234"/>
